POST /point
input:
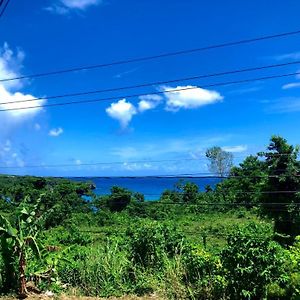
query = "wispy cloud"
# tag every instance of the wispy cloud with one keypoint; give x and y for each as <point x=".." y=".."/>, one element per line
<point x="284" y="105"/>
<point x="37" y="126"/>
<point x="63" y="7"/>
<point x="188" y="147"/>
<point x="291" y="85"/>
<point x="235" y="149"/>
<point x="243" y="91"/>
<point x="123" y="74"/>
<point x="9" y="156"/>
<point x="287" y="56"/>
<point x="56" y="132"/>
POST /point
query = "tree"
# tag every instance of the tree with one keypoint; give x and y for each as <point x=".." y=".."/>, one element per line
<point x="245" y="182"/>
<point x="118" y="199"/>
<point x="220" y="161"/>
<point x="281" y="198"/>
<point x="16" y="240"/>
<point x="190" y="192"/>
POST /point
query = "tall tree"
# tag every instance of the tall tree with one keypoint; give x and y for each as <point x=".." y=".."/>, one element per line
<point x="281" y="199"/>
<point x="220" y="161"/>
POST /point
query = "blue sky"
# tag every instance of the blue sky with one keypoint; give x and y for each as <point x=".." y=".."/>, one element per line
<point x="56" y="34"/>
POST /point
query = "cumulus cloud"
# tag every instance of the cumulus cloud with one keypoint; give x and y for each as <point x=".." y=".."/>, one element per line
<point x="65" y="6"/>
<point x="122" y="111"/>
<point x="10" y="65"/>
<point x="189" y="97"/>
<point x="10" y="94"/>
<point x="148" y="102"/>
<point x="56" y="132"/>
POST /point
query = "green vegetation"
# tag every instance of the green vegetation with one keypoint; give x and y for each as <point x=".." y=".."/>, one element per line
<point x="237" y="240"/>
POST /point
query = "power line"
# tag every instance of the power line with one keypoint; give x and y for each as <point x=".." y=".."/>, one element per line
<point x="99" y="163"/>
<point x="236" y="71"/>
<point x="159" y="202"/>
<point x="187" y="175"/>
<point x="4" y="8"/>
<point x="154" y="93"/>
<point x="158" y="56"/>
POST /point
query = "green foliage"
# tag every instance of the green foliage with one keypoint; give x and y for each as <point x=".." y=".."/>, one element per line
<point x="121" y="244"/>
<point x="252" y="261"/>
<point x="17" y="238"/>
<point x="246" y="182"/>
<point x="151" y="241"/>
<point x="283" y="204"/>
<point x="104" y="271"/>
<point x="117" y="201"/>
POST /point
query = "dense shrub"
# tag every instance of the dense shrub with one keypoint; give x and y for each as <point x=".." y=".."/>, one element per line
<point x="150" y="242"/>
<point x="251" y="261"/>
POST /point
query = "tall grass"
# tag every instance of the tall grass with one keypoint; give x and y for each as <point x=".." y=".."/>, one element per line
<point x="105" y="271"/>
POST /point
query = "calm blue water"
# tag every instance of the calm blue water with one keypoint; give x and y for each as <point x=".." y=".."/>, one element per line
<point x="150" y="187"/>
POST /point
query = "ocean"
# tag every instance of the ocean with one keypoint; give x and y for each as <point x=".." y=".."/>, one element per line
<point x="151" y="187"/>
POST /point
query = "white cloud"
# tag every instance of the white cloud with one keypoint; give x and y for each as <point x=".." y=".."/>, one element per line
<point x="189" y="97"/>
<point x="291" y="85"/>
<point x="10" y="94"/>
<point x="78" y="162"/>
<point x="122" y="111"/>
<point x="126" y="152"/>
<point x="284" y="105"/>
<point x="14" y="101"/>
<point x="235" y="149"/>
<point x="8" y="156"/>
<point x="138" y="166"/>
<point x="148" y="102"/>
<point x="56" y="132"/>
<point x="63" y="7"/>
<point x="37" y="126"/>
<point x="10" y="65"/>
<point x="7" y="146"/>
<point x="292" y="55"/>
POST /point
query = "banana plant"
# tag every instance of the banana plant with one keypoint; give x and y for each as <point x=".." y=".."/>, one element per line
<point x="17" y="238"/>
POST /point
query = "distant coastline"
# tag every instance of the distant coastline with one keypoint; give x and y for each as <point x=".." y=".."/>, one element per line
<point x="151" y="187"/>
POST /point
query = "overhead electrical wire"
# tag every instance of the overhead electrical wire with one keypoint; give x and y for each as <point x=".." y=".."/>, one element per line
<point x="158" y="56"/>
<point x="202" y="174"/>
<point x="236" y="71"/>
<point x="154" y="93"/>
<point x="4" y="7"/>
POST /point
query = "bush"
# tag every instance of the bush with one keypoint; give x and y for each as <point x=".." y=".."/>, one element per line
<point x="203" y="272"/>
<point x="251" y="261"/>
<point x="151" y="241"/>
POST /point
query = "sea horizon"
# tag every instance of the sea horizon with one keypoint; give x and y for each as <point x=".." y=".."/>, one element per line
<point x="150" y="187"/>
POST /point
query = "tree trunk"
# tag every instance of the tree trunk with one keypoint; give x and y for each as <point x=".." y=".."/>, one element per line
<point x="22" y="279"/>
